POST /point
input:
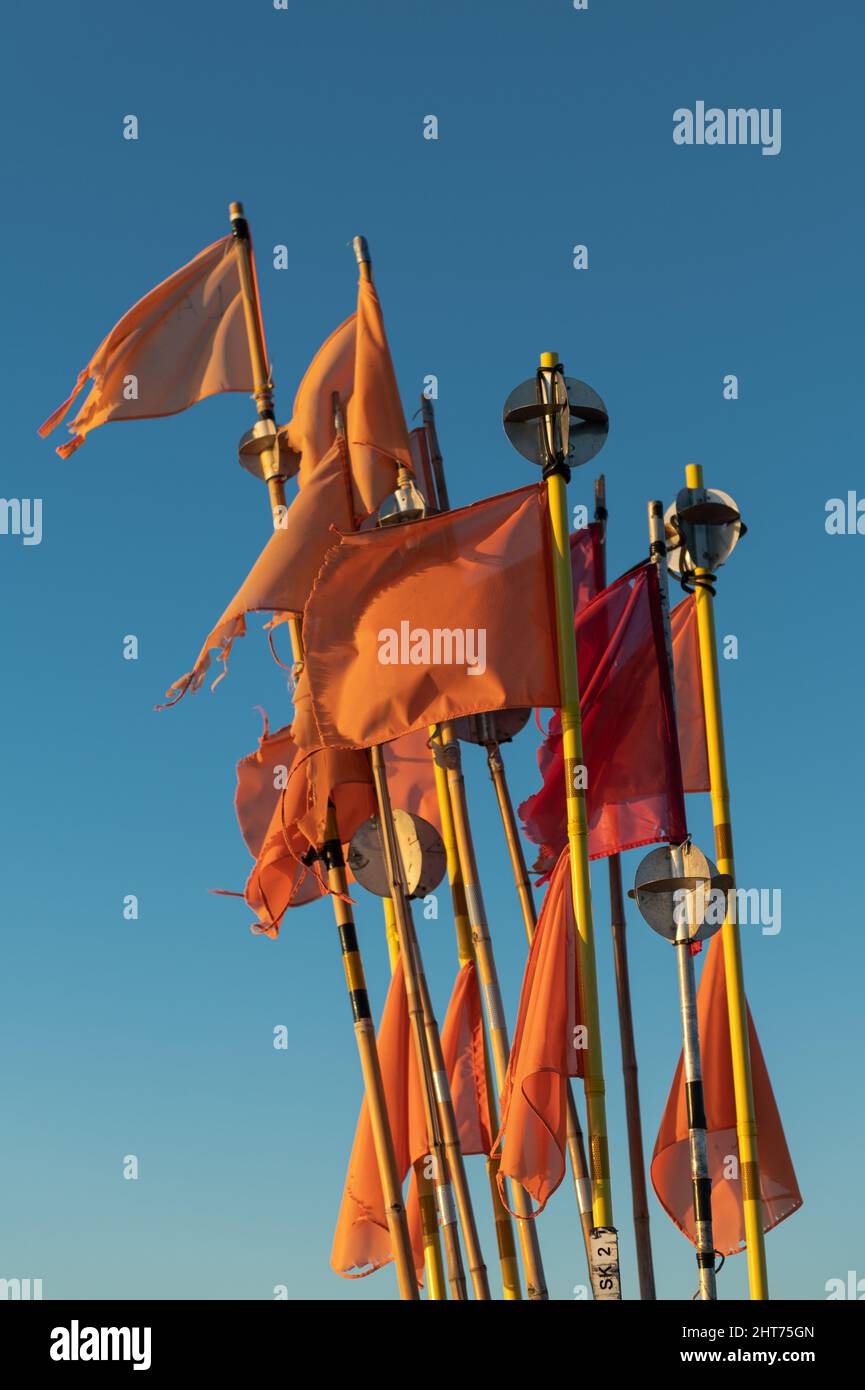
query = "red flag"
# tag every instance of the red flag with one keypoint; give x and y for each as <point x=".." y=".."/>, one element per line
<point x="690" y="715"/>
<point x="671" y="1168"/>
<point x="587" y="564"/>
<point x="634" y="792"/>
<point x="548" y="1048"/>
<point x="422" y="618"/>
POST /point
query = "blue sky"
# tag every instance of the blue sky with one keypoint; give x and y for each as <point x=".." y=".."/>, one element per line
<point x="153" y="1037"/>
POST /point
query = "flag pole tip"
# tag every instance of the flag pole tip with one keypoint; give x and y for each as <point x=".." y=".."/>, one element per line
<point x="235" y="210"/>
<point x="361" y="250"/>
<point x="549" y="359"/>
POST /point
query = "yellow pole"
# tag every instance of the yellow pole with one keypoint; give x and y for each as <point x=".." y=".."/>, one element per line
<point x="432" y="1254"/>
<point x="746" y="1122"/>
<point x="530" y="1250"/>
<point x="465" y="948"/>
<point x="578" y="837"/>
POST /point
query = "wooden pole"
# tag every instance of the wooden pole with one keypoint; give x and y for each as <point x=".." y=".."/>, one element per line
<point x="574" y="1131"/>
<point x="536" y="1284"/>
<point x="441" y="1120"/>
<point x="331" y="851"/>
<point x="618" y="923"/>
<point x="465" y="948"/>
<point x="746" y="1118"/>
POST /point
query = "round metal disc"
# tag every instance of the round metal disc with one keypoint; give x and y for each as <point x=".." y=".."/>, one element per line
<point x="423" y="855"/>
<point x="676" y="883"/>
<point x="709" y="525"/>
<point x="588" y="427"/>
<point x="678" y="560"/>
<point x="499" y="727"/>
<point x="258" y="444"/>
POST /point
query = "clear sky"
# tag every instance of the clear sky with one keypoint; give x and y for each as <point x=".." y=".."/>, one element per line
<point x="154" y="1038"/>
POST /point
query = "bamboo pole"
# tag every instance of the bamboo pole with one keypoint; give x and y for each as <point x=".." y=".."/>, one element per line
<point x="432" y="1254"/>
<point x="573" y="1128"/>
<point x="701" y="1183"/>
<point x="557" y="475"/>
<point x="262" y="384"/>
<point x="441" y="1120"/>
<point x="536" y="1285"/>
<point x="618" y="924"/>
<point x="331" y="851"/>
<point x="746" y="1119"/>
<point x="465" y="948"/>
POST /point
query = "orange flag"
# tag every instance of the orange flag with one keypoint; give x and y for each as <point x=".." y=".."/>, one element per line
<point x="362" y="1243"/>
<point x="422" y="619"/>
<point x="548" y="1048"/>
<point x="671" y="1170"/>
<point x="411" y="778"/>
<point x="183" y="341"/>
<point x="339" y="487"/>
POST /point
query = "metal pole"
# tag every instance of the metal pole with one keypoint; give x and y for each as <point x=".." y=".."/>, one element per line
<point x="701" y="1182"/>
<point x="627" y="1036"/>
<point x="746" y="1119"/>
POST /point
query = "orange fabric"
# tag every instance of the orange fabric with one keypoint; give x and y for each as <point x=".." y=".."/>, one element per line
<point x="671" y="1170"/>
<point x="463" y="1050"/>
<point x="422" y="619"/>
<point x="183" y="341"/>
<point x="532" y="1135"/>
<point x="337" y="487"/>
<point x="410" y="776"/>
<point x="361" y="1244"/>
<point x="278" y="879"/>
<point x="690" y="715"/>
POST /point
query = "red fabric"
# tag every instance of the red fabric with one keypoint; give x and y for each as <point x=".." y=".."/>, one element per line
<point x="587" y="564"/>
<point x="671" y="1169"/>
<point x="690" y="714"/>
<point x="634" y="793"/>
<point x="532" y="1135"/>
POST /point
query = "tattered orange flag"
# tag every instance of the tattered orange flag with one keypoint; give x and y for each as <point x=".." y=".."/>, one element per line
<point x="281" y="803"/>
<point x="422" y="619"/>
<point x="339" y="487"/>
<point x="671" y="1166"/>
<point x="183" y="341"/>
<point x="548" y="1048"/>
<point x="362" y="1242"/>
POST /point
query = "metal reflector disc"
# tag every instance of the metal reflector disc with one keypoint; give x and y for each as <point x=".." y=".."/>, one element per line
<point x="709" y="525"/>
<point x="499" y="727"/>
<point x="588" y="425"/>
<point x="423" y="855"/>
<point x="678" y="884"/>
